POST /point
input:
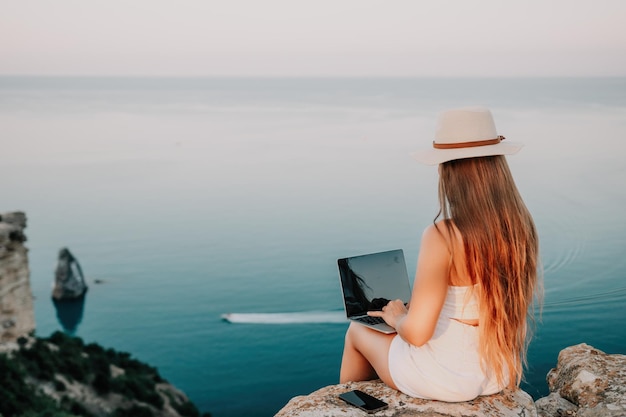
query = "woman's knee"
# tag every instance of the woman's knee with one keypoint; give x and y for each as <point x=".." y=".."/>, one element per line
<point x="363" y="339"/>
<point x="354" y="334"/>
<point x="373" y="347"/>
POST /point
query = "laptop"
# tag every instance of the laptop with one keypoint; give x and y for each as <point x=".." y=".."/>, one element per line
<point x="369" y="282"/>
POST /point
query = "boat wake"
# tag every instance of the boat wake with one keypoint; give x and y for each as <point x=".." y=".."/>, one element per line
<point x="286" y="318"/>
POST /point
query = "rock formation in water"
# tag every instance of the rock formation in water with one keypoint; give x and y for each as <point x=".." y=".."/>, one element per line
<point x="69" y="281"/>
<point x="585" y="383"/>
<point x="17" y="317"/>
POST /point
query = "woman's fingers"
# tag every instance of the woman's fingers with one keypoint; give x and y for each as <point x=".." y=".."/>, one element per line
<point x="392" y="309"/>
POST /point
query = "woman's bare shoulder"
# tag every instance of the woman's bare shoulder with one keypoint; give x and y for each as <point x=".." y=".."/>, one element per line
<point x="448" y="237"/>
<point x="435" y="238"/>
<point x="444" y="231"/>
<point x="443" y="240"/>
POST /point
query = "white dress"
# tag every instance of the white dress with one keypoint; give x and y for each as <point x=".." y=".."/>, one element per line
<point x="448" y="366"/>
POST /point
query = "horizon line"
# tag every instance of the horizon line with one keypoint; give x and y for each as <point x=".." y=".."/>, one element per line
<point x="250" y="76"/>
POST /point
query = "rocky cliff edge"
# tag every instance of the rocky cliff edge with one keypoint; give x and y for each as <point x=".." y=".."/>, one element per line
<point x="585" y="383"/>
<point x="17" y="317"/>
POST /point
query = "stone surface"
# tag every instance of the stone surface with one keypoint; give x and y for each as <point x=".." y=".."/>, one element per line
<point x="593" y="381"/>
<point x="69" y="281"/>
<point x="17" y="316"/>
<point x="325" y="403"/>
<point x="585" y="383"/>
<point x="554" y="405"/>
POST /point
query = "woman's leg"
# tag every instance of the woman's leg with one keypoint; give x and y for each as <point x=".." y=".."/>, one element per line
<point x="366" y="355"/>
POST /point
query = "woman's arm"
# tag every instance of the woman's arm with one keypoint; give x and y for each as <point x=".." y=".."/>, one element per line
<point x="417" y="325"/>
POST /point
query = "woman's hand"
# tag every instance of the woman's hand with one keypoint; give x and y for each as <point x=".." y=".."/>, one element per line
<point x="391" y="313"/>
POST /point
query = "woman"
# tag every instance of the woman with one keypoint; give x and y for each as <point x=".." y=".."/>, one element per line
<point x="465" y="332"/>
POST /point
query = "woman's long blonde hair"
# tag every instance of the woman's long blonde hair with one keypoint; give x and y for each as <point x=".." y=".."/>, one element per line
<point x="479" y="196"/>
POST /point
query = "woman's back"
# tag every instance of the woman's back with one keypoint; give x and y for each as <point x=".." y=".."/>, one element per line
<point x="458" y="276"/>
<point x="489" y="224"/>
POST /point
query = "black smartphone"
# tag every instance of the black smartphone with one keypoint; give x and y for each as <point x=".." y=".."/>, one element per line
<point x="364" y="401"/>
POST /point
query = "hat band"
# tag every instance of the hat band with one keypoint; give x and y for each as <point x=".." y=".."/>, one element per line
<point x="468" y="144"/>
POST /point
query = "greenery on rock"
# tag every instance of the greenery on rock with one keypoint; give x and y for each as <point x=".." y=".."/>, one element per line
<point x="47" y="359"/>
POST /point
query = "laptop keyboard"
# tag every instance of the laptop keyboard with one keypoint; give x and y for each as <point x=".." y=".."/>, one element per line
<point x="370" y="320"/>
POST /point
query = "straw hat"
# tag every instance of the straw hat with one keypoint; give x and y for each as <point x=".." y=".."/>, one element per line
<point x="465" y="133"/>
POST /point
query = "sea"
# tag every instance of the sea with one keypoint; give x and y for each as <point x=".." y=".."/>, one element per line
<point x="185" y="199"/>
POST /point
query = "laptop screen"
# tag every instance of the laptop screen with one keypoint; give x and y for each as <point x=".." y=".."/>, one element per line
<point x="369" y="281"/>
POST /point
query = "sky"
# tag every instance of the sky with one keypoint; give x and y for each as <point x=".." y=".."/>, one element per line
<point x="458" y="38"/>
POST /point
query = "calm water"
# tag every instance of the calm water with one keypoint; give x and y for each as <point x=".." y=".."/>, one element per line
<point x="191" y="198"/>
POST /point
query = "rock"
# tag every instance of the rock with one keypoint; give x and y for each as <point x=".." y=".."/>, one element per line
<point x="16" y="218"/>
<point x="554" y="405"/>
<point x="69" y="282"/>
<point x="591" y="380"/>
<point x="325" y="402"/>
<point x="12" y="227"/>
<point x="17" y="316"/>
<point x="585" y="383"/>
